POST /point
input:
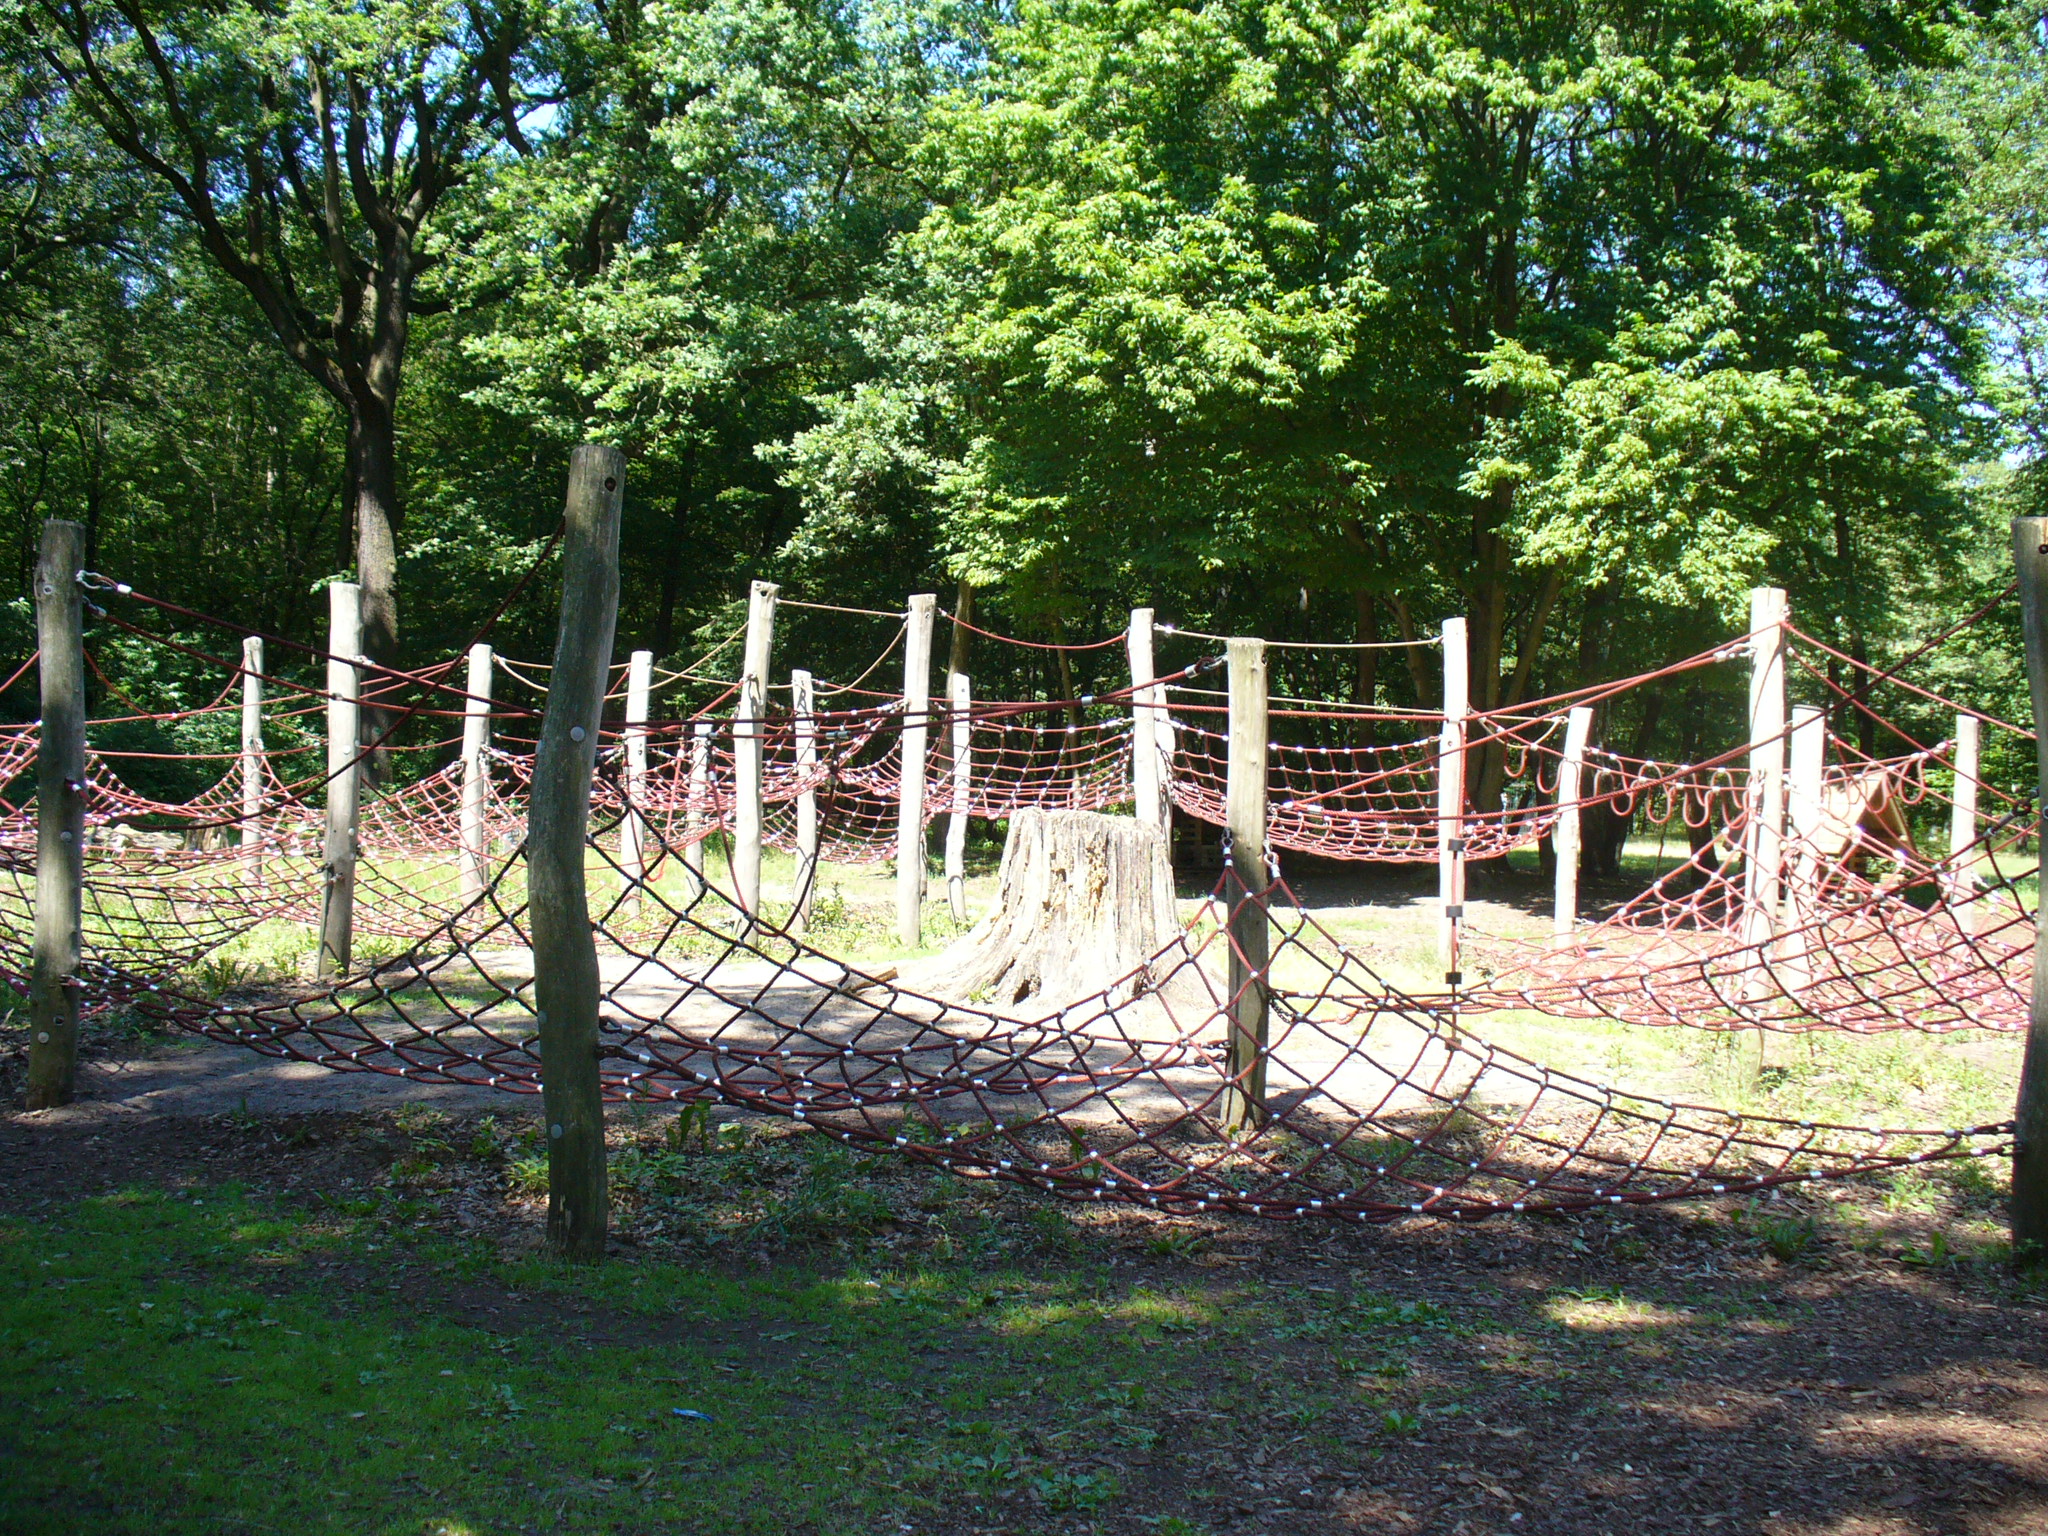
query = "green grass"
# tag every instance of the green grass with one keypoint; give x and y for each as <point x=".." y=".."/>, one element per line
<point x="202" y="1362"/>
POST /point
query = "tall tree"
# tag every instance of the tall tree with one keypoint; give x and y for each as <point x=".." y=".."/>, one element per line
<point x="1272" y="290"/>
<point x="311" y="147"/>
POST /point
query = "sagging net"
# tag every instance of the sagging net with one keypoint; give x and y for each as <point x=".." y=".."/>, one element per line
<point x="1375" y="1104"/>
<point x="1376" y="1101"/>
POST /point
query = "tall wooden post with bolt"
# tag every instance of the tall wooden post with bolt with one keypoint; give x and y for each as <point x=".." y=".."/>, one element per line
<point x="749" y="733"/>
<point x="917" y="708"/>
<point x="1244" y="887"/>
<point x="1566" y="842"/>
<point x="252" y="754"/>
<point x="474" y="853"/>
<point x="803" y="716"/>
<point x="1149" y="728"/>
<point x="344" y="777"/>
<point x="1963" y="854"/>
<point x="633" y="828"/>
<point x="565" y="975"/>
<point x="60" y="818"/>
<point x="960" y="719"/>
<point x="1450" y="798"/>
<point x="2030" y="1132"/>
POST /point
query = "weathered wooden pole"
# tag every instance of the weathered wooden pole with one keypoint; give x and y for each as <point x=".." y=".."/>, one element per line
<point x="1963" y="856"/>
<point x="1450" y="799"/>
<point x="803" y="706"/>
<point x="2030" y="1131"/>
<point x="344" y="777"/>
<point x="476" y="772"/>
<point x="633" y="829"/>
<point x="1566" y="840"/>
<point x="1803" y="791"/>
<point x="1763" y="844"/>
<point x="960" y="701"/>
<point x="1244" y="887"/>
<point x="917" y="705"/>
<point x="699" y="812"/>
<point x="565" y="975"/>
<point x="60" y="818"/>
<point x="1149" y="730"/>
<point x="252" y="754"/>
<point x="749" y="735"/>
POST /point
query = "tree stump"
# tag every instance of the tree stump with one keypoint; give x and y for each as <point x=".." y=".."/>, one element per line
<point x="1085" y="903"/>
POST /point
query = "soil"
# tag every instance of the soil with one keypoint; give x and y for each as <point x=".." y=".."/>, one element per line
<point x="1665" y="1371"/>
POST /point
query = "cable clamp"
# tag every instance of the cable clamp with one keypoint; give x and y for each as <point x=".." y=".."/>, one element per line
<point x="93" y="581"/>
<point x="1454" y="978"/>
<point x="1454" y="910"/>
<point x="1455" y="844"/>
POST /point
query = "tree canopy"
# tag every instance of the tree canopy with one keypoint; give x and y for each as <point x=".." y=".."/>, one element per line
<point x="1316" y="320"/>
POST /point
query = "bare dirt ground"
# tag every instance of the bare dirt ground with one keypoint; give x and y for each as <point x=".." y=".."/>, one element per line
<point x="1855" y="1363"/>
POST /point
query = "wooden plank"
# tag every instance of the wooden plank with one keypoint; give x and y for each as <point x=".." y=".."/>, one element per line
<point x="917" y="704"/>
<point x="803" y="705"/>
<point x="2030" y="1132"/>
<point x="960" y="710"/>
<point x="60" y="818"/>
<point x="565" y="975"/>
<point x="749" y="733"/>
<point x="476" y="772"/>
<point x="1245" y="885"/>
<point x="344" y="778"/>
<point x="1566" y="841"/>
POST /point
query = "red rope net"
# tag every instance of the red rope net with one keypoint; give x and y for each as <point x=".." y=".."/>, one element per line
<point x="1378" y="1102"/>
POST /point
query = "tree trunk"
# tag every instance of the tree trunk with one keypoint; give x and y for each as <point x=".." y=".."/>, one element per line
<point x="1086" y="902"/>
<point x="373" y="491"/>
<point x="1367" y="685"/>
<point x="963" y="637"/>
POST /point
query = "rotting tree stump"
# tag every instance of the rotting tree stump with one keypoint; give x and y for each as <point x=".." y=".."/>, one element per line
<point x="1085" y="904"/>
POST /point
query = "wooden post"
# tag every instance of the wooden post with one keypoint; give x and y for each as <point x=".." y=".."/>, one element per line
<point x="565" y="975"/>
<point x="1148" y="728"/>
<point x="1450" y="800"/>
<point x="2030" y="1131"/>
<point x="1763" y="844"/>
<point x="344" y="777"/>
<point x="1803" y="792"/>
<point x="917" y="703"/>
<point x="803" y="708"/>
<point x="60" y="818"/>
<point x="633" y="830"/>
<point x="1244" y="1104"/>
<point x="252" y="754"/>
<point x="697" y="815"/>
<point x="749" y="733"/>
<point x="960" y="698"/>
<point x="476" y="772"/>
<point x="1963" y="857"/>
<point x="1565" y="841"/>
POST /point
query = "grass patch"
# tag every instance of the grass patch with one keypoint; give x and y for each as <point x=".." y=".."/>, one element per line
<point x="200" y="1361"/>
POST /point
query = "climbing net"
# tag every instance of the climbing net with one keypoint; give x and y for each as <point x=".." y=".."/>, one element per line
<point x="1366" y="1101"/>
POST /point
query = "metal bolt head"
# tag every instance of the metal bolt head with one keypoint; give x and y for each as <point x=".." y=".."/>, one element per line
<point x="575" y="733"/>
<point x="555" y="1131"/>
